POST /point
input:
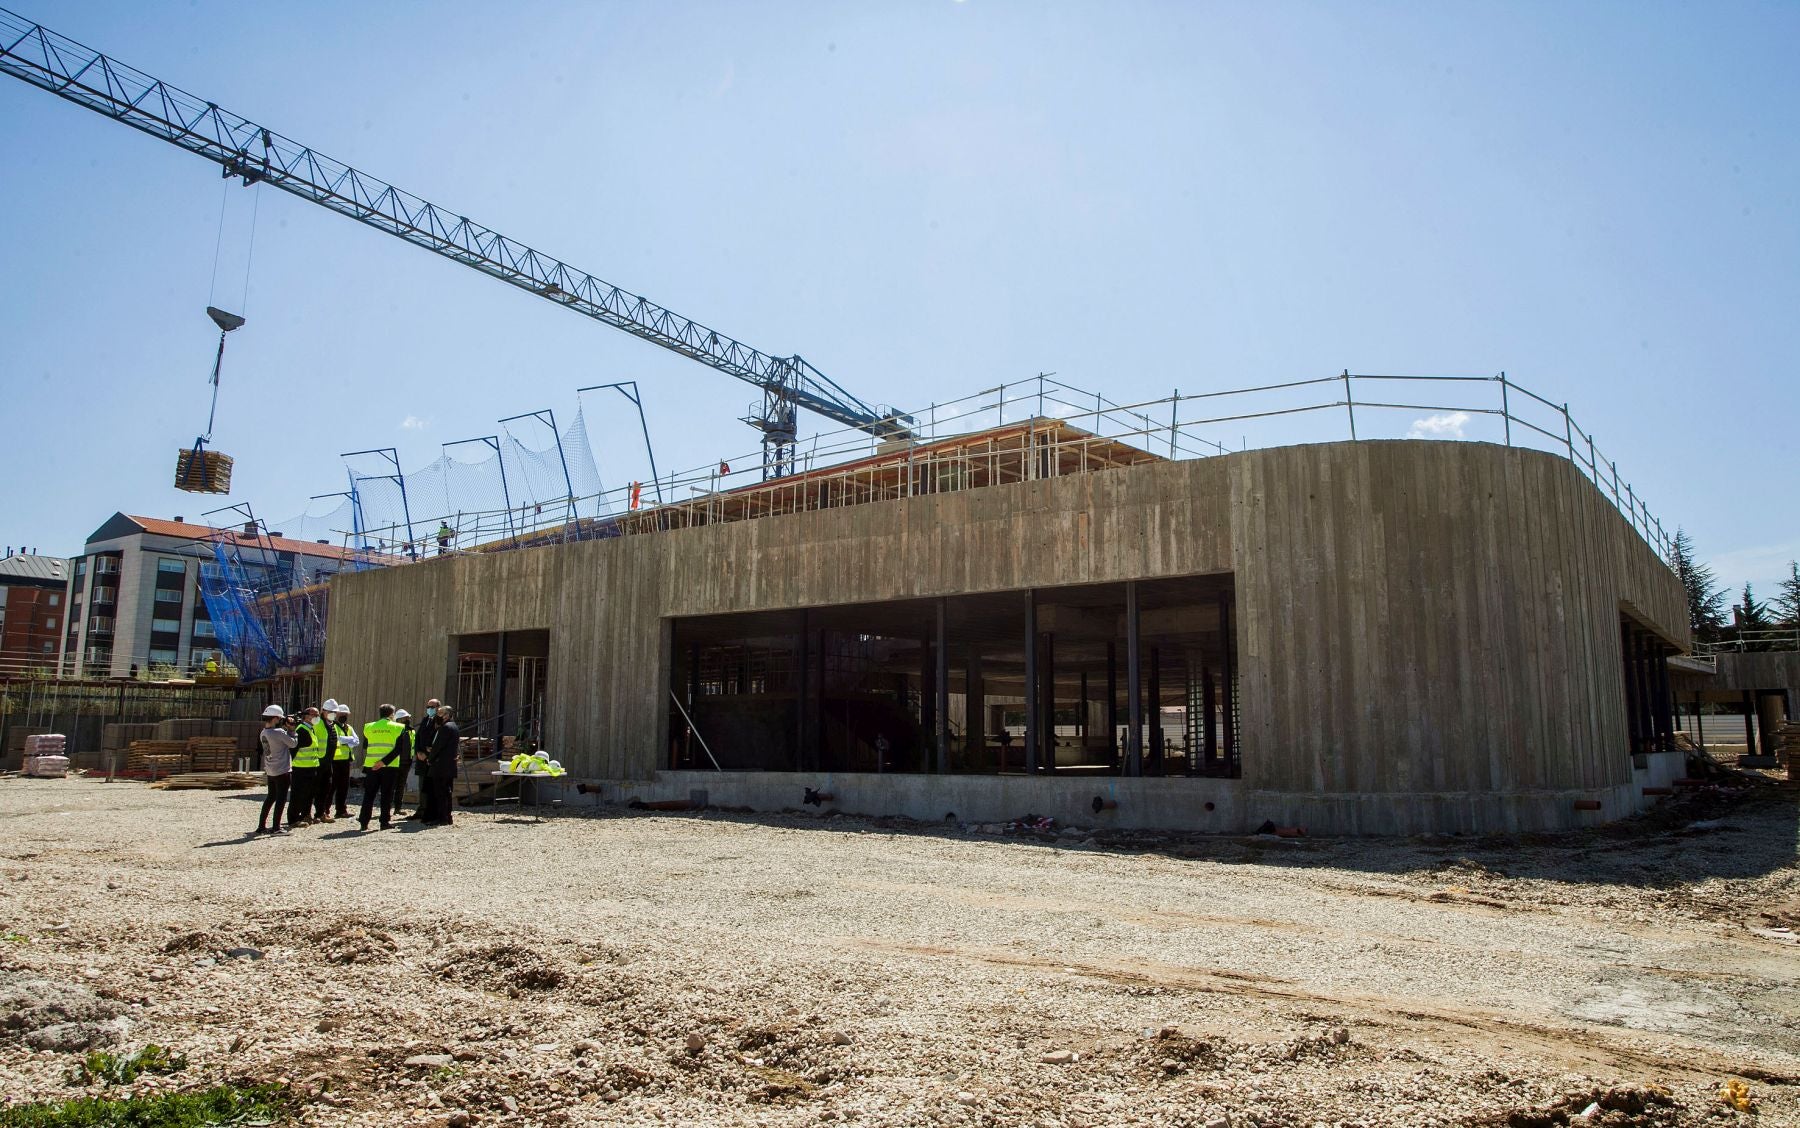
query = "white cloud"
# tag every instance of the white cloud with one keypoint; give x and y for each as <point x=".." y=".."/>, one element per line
<point x="1763" y="565"/>
<point x="414" y="423"/>
<point x="1447" y="426"/>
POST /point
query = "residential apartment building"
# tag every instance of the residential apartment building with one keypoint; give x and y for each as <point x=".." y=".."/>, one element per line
<point x="32" y="603"/>
<point x="134" y="600"/>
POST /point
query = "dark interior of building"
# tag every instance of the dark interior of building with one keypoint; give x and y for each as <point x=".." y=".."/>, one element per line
<point x="1039" y="681"/>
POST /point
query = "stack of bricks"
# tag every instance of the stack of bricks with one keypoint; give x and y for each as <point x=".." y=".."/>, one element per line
<point x="44" y="755"/>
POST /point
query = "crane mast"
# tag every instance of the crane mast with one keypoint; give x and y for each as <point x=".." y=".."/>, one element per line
<point x="258" y="155"/>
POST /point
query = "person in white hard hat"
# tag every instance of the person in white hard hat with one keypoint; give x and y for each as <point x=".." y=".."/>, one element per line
<point x="343" y="755"/>
<point x="277" y="740"/>
<point x="322" y="789"/>
<point x="310" y="757"/>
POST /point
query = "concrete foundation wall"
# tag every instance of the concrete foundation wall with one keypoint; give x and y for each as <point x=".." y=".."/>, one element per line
<point x="1415" y="619"/>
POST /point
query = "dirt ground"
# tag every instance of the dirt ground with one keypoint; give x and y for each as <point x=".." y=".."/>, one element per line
<point x="635" y="968"/>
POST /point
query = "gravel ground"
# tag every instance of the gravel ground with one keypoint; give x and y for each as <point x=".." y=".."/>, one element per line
<point x="632" y="968"/>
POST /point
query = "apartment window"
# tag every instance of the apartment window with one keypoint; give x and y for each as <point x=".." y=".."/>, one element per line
<point x="168" y="626"/>
<point x="50" y="624"/>
<point x="105" y="594"/>
<point x="168" y="595"/>
<point x="203" y="628"/>
<point x="81" y="567"/>
<point x="167" y="564"/>
<point x="101" y="623"/>
<point x="165" y="657"/>
<point x="55" y="598"/>
<point x="106" y="565"/>
<point x="49" y="648"/>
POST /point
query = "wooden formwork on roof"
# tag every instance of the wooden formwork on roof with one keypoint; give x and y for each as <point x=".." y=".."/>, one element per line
<point x="1018" y="452"/>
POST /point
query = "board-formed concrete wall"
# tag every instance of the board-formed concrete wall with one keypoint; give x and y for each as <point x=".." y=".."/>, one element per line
<point x="1428" y="632"/>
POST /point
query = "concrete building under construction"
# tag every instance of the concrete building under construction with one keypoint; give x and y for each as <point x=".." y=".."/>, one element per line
<point x="1352" y="637"/>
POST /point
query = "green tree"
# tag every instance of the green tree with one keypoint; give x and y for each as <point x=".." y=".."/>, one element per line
<point x="1705" y="598"/>
<point x="1752" y="619"/>
<point x="1787" y="602"/>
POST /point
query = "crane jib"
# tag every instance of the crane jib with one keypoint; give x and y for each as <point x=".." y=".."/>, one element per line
<point x="244" y="149"/>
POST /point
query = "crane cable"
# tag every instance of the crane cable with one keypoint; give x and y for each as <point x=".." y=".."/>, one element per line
<point x="243" y="300"/>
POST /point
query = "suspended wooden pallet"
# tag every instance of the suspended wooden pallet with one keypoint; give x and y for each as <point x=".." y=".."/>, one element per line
<point x="198" y="470"/>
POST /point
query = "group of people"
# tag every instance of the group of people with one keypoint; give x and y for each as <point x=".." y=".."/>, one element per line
<point x="308" y="759"/>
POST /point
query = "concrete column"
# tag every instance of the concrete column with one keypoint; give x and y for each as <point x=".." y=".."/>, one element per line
<point x="1769" y="713"/>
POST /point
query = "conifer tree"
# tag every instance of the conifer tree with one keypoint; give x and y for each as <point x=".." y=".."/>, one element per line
<point x="1705" y="599"/>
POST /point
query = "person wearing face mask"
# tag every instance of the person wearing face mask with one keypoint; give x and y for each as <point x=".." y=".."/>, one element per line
<point x="421" y="744"/>
<point x="341" y="758"/>
<point x="312" y="751"/>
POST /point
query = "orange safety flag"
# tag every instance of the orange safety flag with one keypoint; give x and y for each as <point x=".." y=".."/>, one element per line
<point x="637" y="491"/>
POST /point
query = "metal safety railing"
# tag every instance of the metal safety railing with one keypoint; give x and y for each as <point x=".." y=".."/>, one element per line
<point x="1778" y="639"/>
<point x="1068" y="430"/>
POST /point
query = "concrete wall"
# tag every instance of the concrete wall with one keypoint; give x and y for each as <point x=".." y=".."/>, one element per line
<point x="1417" y="621"/>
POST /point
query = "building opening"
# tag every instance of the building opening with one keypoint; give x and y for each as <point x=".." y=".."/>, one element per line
<point x="1135" y="678"/>
<point x="490" y="705"/>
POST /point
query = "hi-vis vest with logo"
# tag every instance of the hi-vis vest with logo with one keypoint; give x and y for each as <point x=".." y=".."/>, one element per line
<point x="310" y="756"/>
<point x="379" y="738"/>
<point x="342" y="751"/>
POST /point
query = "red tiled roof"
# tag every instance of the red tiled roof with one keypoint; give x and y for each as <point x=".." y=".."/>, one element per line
<point x="190" y="531"/>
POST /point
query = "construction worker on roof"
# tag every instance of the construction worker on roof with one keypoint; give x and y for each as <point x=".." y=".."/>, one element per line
<point x="386" y="745"/>
<point x="313" y="743"/>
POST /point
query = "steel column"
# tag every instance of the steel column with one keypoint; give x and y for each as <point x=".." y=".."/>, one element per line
<point x="1031" y="685"/>
<point x="1134" y="736"/>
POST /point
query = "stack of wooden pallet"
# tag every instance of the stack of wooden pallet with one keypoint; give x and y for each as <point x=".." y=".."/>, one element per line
<point x="157" y="756"/>
<point x="476" y="747"/>
<point x="209" y="781"/>
<point x="212" y="753"/>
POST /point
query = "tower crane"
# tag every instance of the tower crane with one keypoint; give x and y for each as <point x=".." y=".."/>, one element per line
<point x="258" y="155"/>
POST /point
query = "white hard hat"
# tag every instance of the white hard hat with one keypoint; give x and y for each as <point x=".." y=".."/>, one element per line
<point x="330" y="706"/>
<point x="274" y="711"/>
<point x="401" y="714"/>
<point x="345" y="709"/>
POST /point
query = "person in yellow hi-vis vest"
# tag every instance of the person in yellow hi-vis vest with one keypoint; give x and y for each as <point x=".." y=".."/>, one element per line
<point x="341" y="758"/>
<point x="386" y="744"/>
<point x="314" y="744"/>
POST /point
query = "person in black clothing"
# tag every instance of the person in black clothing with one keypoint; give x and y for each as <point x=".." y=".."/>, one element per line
<point x="311" y="753"/>
<point x="441" y="775"/>
<point x="422" y="745"/>
<point x="348" y="750"/>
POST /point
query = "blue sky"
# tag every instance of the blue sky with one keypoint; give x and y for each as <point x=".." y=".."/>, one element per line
<point x="924" y="199"/>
